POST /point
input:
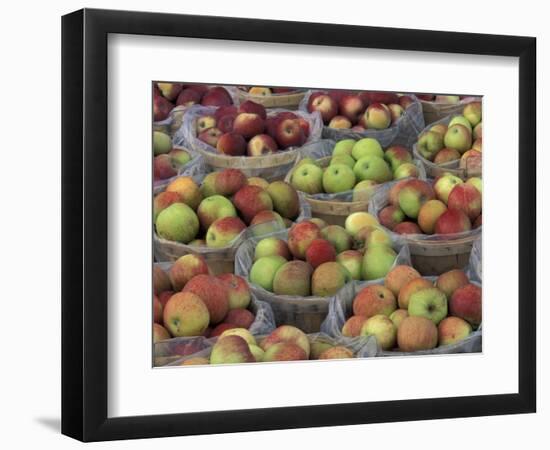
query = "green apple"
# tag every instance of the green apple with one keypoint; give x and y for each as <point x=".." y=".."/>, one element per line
<point x="377" y="262"/>
<point x="406" y="170"/>
<point x="364" y="190"/>
<point x="162" y="143"/>
<point x="177" y="223"/>
<point x="343" y="159"/>
<point x="306" y="161"/>
<point x="264" y="269"/>
<point x="397" y="155"/>
<point x="472" y="112"/>
<point x="338" y="178"/>
<point x="460" y="120"/>
<point x="179" y="157"/>
<point x="476" y="182"/>
<point x="458" y="137"/>
<point x="338" y="237"/>
<point x="430" y="303"/>
<point x="367" y="147"/>
<point x="213" y="208"/>
<point x="429" y="144"/>
<point x="307" y="178"/>
<point x="411" y="200"/>
<point x="343" y="147"/>
<point x="382" y="328"/>
<point x="444" y="185"/>
<point x="372" y="168"/>
<point x="351" y="260"/>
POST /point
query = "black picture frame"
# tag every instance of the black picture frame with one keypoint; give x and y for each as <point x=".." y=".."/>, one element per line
<point x="84" y="224"/>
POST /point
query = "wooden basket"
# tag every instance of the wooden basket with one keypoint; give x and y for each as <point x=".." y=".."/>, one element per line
<point x="305" y="314"/>
<point x="433" y="111"/>
<point x="289" y="101"/>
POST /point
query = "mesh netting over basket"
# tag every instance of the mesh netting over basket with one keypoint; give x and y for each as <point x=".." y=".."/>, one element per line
<point x="434" y="111"/>
<point x="403" y="132"/>
<point x="287" y="100"/>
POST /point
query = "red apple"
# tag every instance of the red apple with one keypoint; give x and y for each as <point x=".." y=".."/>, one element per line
<point x="216" y="96"/>
<point x="211" y="136"/>
<point x="261" y="144"/>
<point x="326" y="105"/>
<point x="452" y="221"/>
<point x="232" y="144"/>
<point x="466" y="198"/>
<point x="252" y="107"/>
<point x="352" y="107"/>
<point x="189" y="96"/>
<point x="289" y="133"/>
<point x="248" y="125"/>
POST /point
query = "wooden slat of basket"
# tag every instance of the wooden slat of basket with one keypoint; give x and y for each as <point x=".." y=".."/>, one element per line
<point x="291" y="100"/>
<point x="250" y="162"/>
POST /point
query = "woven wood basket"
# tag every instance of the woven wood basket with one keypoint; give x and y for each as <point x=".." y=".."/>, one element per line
<point x="436" y="111"/>
<point x="289" y="101"/>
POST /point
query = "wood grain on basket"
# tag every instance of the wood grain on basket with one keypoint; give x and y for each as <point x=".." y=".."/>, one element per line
<point x="290" y="100"/>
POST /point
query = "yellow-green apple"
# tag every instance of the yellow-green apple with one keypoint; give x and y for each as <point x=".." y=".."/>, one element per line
<point x="325" y="105"/>
<point x="367" y="147"/>
<point x="440" y="128"/>
<point x="446" y="155"/>
<point x="161" y="281"/>
<point x="341" y="122"/>
<point x="240" y="317"/>
<point x="343" y="147"/>
<point x="319" y="222"/>
<point x="409" y="289"/>
<point x="211" y="136"/>
<point x="261" y="144"/>
<point x="185" y="268"/>
<point x="250" y="200"/>
<point x="466" y="304"/>
<point x="188" y="190"/>
<point x="428" y="215"/>
<point x="398" y="316"/>
<point x="204" y="123"/>
<point x="407" y="227"/>
<point x="352" y="326"/>
<point x="160" y="333"/>
<point x="186" y="314"/>
<point x="370" y="236"/>
<point x="458" y="137"/>
<point x="170" y="91"/>
<point x="430" y="303"/>
<point x="231" y="144"/>
<point x="162" y="143"/>
<point x="397" y="155"/>
<point x="248" y="125"/>
<point x="264" y="269"/>
<point x="271" y="246"/>
<point x="252" y="107"/>
<point x="239" y="292"/>
<point x="189" y="96"/>
<point x="363" y="191"/>
<point x="287" y="333"/>
<point x="284" y="351"/>
<point x="338" y="178"/>
<point x="337" y="352"/>
<point x="382" y="328"/>
<point x="242" y="332"/>
<point x="444" y="185"/>
<point x="472" y="112"/>
<point x="352" y="260"/>
<point x="197" y="243"/>
<point x="357" y="220"/>
<point x="398" y="277"/>
<point x="450" y="281"/>
<point x="257" y="352"/>
<point x="179" y="156"/>
<point x="416" y="333"/>
<point x="377" y="116"/>
<point x="328" y="278"/>
<point x="260" y="91"/>
<point x="406" y="170"/>
<point x="293" y="278"/>
<point x="213" y="292"/>
<point x="452" y="221"/>
<point x="258" y="181"/>
<point x="266" y="222"/>
<point x="396" y="111"/>
<point x="429" y="143"/>
<point x="300" y="236"/>
<point x="413" y="195"/>
<point x="373" y="300"/>
<point x="466" y="198"/>
<point x="447" y="99"/>
<point x="285" y="199"/>
<point x="163" y="201"/>
<point x="216" y="96"/>
<point x="460" y="120"/>
<point x="161" y="108"/>
<point x="477" y="145"/>
<point x="342" y="159"/>
<point x="372" y="168"/>
<point x="177" y="223"/>
<point x="478" y="131"/>
<point x="213" y="208"/>
<point x="393" y="193"/>
<point x="308" y="178"/>
<point x="163" y="167"/>
<point x="476" y="182"/>
<point x="452" y="330"/>
<point x="338" y="237"/>
<point x="231" y="350"/>
<point x="352" y="107"/>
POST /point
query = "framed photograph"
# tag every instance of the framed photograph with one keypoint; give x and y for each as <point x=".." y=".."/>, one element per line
<point x="273" y="225"/>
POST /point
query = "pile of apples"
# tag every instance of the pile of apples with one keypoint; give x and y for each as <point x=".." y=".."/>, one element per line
<point x="450" y="206"/>
<point x="319" y="259"/>
<point x="359" y="111"/>
<point x="167" y="160"/>
<point x="355" y="165"/>
<point x="285" y="343"/>
<point x="460" y="140"/>
<point x="410" y="313"/>
<point x="189" y="301"/>
<point x="222" y="207"/>
<point x="166" y="96"/>
<point x="265" y="91"/>
<point x="444" y="99"/>
<point x="249" y="131"/>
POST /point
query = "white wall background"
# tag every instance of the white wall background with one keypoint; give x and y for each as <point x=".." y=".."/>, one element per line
<point x="30" y="229"/>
